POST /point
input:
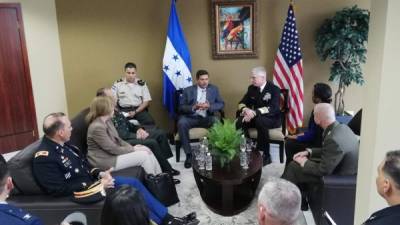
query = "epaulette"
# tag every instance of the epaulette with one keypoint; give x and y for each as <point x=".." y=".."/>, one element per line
<point x="141" y="82"/>
<point x="119" y="80"/>
<point x="41" y="153"/>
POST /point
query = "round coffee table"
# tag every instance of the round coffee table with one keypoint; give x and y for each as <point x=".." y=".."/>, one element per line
<point x="229" y="190"/>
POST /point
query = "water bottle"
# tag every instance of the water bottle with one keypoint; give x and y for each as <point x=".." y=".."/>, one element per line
<point x="202" y="156"/>
<point x="205" y="142"/>
<point x="243" y="155"/>
<point x="208" y="161"/>
<point x="243" y="143"/>
<point x="248" y="150"/>
<point x="243" y="159"/>
<point x="198" y="152"/>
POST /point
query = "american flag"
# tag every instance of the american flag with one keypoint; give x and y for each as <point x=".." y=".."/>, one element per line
<point x="288" y="70"/>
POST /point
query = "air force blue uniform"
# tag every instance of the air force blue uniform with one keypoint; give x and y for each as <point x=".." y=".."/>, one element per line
<point x="11" y="215"/>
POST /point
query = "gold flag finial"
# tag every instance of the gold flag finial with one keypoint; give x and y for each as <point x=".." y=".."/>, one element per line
<point x="291" y="2"/>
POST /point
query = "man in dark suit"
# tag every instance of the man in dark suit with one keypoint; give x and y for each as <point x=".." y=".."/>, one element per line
<point x="197" y="107"/>
<point x="259" y="108"/>
<point x="388" y="186"/>
<point x="338" y="154"/>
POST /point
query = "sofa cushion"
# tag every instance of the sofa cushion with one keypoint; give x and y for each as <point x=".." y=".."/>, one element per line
<point x="79" y="131"/>
<point x="20" y="167"/>
<point x="195" y="133"/>
<point x="275" y="134"/>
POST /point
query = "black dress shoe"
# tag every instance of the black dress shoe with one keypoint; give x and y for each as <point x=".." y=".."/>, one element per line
<point x="176" y="181"/>
<point x="304" y="204"/>
<point x="266" y="160"/>
<point x="190" y="216"/>
<point x="189" y="219"/>
<point x="188" y="161"/>
<point x="174" y="172"/>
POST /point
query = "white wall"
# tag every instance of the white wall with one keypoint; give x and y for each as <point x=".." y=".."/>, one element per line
<point x="44" y="55"/>
<point x="381" y="109"/>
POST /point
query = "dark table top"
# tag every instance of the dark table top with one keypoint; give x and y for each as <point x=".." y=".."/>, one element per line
<point x="232" y="173"/>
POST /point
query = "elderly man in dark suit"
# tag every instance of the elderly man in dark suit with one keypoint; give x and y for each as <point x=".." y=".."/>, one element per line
<point x="259" y="108"/>
<point x="339" y="152"/>
<point x="197" y="107"/>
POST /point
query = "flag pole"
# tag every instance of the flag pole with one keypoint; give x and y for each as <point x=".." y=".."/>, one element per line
<point x="291" y="2"/>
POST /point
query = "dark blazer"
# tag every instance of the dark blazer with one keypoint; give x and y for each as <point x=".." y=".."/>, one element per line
<point x="339" y="152"/>
<point x="265" y="103"/>
<point x="189" y="99"/>
<point x="387" y="216"/>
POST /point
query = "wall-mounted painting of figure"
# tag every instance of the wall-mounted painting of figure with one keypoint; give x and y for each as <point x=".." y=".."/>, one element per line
<point x="234" y="28"/>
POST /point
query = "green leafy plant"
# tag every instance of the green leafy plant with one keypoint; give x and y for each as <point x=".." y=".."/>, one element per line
<point x="224" y="140"/>
<point x="342" y="39"/>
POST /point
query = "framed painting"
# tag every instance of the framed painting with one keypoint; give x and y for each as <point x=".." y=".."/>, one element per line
<point x="234" y="28"/>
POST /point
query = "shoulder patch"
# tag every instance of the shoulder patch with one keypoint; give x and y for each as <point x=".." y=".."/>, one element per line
<point x="141" y="82"/>
<point x="41" y="153"/>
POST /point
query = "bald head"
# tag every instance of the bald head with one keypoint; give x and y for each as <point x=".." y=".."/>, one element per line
<point x="52" y="123"/>
<point x="324" y="114"/>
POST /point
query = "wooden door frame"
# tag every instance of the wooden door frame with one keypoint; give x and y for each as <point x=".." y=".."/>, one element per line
<point x="27" y="74"/>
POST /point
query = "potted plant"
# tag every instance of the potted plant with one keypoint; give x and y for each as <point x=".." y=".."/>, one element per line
<point x="224" y="140"/>
<point x="342" y="39"/>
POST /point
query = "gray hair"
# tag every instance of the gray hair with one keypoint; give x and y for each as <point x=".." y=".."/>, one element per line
<point x="325" y="112"/>
<point x="259" y="71"/>
<point x="281" y="200"/>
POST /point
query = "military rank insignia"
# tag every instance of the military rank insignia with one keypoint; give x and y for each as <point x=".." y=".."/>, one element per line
<point x="41" y="153"/>
<point x="267" y="96"/>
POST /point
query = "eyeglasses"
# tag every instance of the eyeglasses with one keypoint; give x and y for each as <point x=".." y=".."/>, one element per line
<point x="130" y="72"/>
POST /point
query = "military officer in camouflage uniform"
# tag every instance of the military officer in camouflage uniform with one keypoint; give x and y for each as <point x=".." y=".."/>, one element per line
<point x="133" y="96"/>
<point x="11" y="215"/>
<point x="259" y="108"/>
<point x="154" y="138"/>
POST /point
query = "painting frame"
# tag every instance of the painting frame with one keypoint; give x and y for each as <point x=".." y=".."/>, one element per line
<point x="234" y="29"/>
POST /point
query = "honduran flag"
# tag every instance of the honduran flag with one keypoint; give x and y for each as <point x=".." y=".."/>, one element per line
<point x="176" y="62"/>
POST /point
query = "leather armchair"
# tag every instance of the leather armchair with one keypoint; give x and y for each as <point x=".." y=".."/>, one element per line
<point x="336" y="195"/>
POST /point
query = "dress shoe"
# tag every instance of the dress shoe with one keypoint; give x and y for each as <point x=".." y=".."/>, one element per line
<point x="176" y="181"/>
<point x="174" y="172"/>
<point x="189" y="219"/>
<point x="188" y="161"/>
<point x="266" y="160"/>
<point x="304" y="204"/>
